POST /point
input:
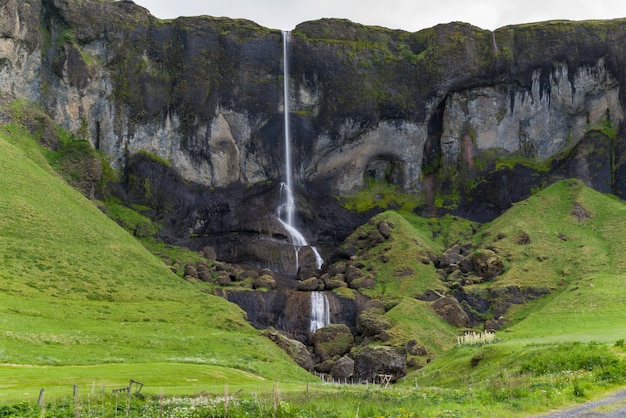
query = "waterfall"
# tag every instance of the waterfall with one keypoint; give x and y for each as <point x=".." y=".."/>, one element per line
<point x="287" y="207"/>
<point x="320" y="311"/>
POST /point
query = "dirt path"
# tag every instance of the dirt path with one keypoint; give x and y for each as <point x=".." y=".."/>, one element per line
<point x="613" y="406"/>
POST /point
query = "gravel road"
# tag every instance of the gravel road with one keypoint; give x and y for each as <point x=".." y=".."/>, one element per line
<point x="613" y="406"/>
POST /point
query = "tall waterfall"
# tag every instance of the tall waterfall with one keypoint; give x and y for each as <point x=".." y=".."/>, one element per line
<point x="287" y="207"/>
<point x="320" y="311"/>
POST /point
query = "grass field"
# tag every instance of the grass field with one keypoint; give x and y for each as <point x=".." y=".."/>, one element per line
<point x="77" y="290"/>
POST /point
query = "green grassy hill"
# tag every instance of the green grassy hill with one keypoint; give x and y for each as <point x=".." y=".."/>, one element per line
<point x="77" y="292"/>
<point x="576" y="248"/>
<point x="564" y="347"/>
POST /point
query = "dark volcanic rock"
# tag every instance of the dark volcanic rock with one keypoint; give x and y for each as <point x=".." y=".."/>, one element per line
<point x="372" y="361"/>
<point x="449" y="309"/>
<point x="295" y="349"/>
<point x="343" y="368"/>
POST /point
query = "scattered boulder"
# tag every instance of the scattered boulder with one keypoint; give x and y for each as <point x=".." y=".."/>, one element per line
<point x="450" y="310"/>
<point x="487" y="264"/>
<point x="414" y="349"/>
<point x="209" y="253"/>
<point x="223" y="279"/>
<point x="343" y="368"/>
<point x="366" y="282"/>
<point x="372" y="322"/>
<point x="337" y="268"/>
<point x="311" y="284"/>
<point x="373" y="361"/>
<point x="332" y="340"/>
<point x="334" y="284"/>
<point x="325" y="366"/>
<point x="204" y="273"/>
<point x="294" y="349"/>
<point x="191" y="272"/>
<point x="384" y="229"/>
<point x="352" y="273"/>
<point x="264" y="282"/>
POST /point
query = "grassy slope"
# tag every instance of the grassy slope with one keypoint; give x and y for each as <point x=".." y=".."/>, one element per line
<point x="75" y="289"/>
<point x="580" y="257"/>
<point x="408" y="273"/>
<point x="577" y="324"/>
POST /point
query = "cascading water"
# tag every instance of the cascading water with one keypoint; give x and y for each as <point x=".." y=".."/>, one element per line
<point x="320" y="311"/>
<point x="287" y="207"/>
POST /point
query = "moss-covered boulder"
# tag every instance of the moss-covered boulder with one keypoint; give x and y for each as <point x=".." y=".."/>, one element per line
<point x="333" y="340"/>
<point x="295" y="349"/>
<point x="372" y="322"/>
<point x="264" y="282"/>
<point x="487" y="264"/>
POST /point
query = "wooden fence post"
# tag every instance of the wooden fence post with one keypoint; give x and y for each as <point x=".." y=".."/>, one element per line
<point x="40" y="400"/>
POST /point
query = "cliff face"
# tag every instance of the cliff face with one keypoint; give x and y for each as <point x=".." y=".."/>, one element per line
<point x="446" y="112"/>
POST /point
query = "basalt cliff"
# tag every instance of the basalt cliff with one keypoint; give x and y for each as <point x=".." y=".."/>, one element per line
<point x="190" y="113"/>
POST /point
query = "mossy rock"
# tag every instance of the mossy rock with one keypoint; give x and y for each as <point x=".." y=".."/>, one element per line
<point x="264" y="282"/>
<point x="334" y="284"/>
<point x="333" y="340"/>
<point x="295" y="349"/>
<point x="311" y="285"/>
<point x="366" y="282"/>
<point x="372" y="322"/>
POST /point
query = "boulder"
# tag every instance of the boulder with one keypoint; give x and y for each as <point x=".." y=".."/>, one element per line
<point x="332" y="340"/>
<point x="384" y="229"/>
<point x="414" y="349"/>
<point x="372" y="322"/>
<point x="209" y="253"/>
<point x="223" y="279"/>
<point x="487" y="264"/>
<point x="334" y="284"/>
<point x="264" y="282"/>
<point x="373" y="361"/>
<point x="294" y="349"/>
<point x="191" y="272"/>
<point x="352" y="273"/>
<point x="450" y="310"/>
<point x="343" y="368"/>
<point x="310" y="285"/>
<point x="366" y="282"/>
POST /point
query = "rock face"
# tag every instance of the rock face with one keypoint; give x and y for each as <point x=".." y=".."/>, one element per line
<point x="193" y="108"/>
<point x="290" y="311"/>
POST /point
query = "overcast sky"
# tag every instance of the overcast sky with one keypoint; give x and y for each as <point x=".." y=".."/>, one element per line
<point x="411" y="15"/>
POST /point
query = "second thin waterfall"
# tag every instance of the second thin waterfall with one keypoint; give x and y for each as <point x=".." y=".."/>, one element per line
<point x="287" y="207"/>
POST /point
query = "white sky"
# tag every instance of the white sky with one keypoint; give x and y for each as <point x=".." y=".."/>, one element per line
<point x="410" y="15"/>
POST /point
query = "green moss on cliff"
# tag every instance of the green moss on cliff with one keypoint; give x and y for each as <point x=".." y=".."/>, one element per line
<point x="383" y="195"/>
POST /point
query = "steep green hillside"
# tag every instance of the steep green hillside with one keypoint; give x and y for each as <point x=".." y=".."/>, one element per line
<point x="568" y="345"/>
<point x="576" y="247"/>
<point x="76" y="289"/>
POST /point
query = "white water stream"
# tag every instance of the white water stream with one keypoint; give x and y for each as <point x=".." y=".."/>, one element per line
<point x="320" y="311"/>
<point x="287" y="207"/>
